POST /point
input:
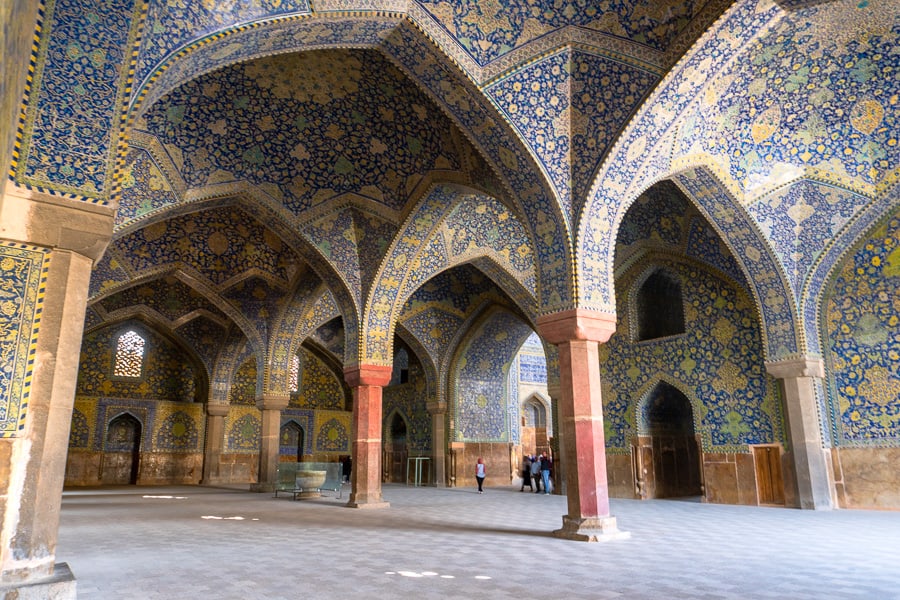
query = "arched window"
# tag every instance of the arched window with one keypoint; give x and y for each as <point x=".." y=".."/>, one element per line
<point x="129" y="355"/>
<point x="660" y="309"/>
<point x="535" y="413"/>
<point x="295" y="373"/>
<point x="401" y="367"/>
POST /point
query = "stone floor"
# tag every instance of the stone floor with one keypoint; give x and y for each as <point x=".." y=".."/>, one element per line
<point x="196" y="543"/>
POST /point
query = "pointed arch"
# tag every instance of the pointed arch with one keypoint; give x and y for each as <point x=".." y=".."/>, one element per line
<point x="478" y="372"/>
<point x="419" y="252"/>
<point x="825" y="268"/>
<point x="498" y="145"/>
<point x="638" y="407"/>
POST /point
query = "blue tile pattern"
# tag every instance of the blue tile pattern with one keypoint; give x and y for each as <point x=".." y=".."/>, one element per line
<point x="783" y="338"/>
<point x="488" y="30"/>
<point x="23" y="275"/>
<point x="73" y="117"/>
<point x="861" y="329"/>
<point x="813" y="92"/>
<point x="717" y="363"/>
<point x="634" y="163"/>
<point x="480" y="407"/>
<point x="171" y="26"/>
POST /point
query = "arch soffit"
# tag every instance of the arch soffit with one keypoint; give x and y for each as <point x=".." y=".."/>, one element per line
<point x="827" y="266"/>
<point x="430" y="68"/>
<point x="283" y="342"/>
<point x="642" y="154"/>
<point x="646" y="150"/>
<point x="775" y="302"/>
<point x="425" y="359"/>
<point x="235" y="352"/>
<point x="272" y="215"/>
<point x="401" y="263"/>
<point x="125" y="413"/>
<point x="198" y="283"/>
<point x="537" y="397"/>
<point x="476" y="318"/>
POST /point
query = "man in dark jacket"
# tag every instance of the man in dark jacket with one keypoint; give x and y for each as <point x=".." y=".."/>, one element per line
<point x="526" y="474"/>
<point x="546" y="465"/>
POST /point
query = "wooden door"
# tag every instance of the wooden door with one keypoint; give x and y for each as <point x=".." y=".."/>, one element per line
<point x="769" y="481"/>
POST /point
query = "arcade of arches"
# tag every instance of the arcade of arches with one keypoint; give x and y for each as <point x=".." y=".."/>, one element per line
<point x="659" y="240"/>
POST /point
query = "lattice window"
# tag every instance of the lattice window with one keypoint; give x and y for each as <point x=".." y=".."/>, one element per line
<point x="129" y="355"/>
<point x="294" y="379"/>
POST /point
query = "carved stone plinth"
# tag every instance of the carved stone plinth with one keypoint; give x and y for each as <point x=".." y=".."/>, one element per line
<point x="591" y="529"/>
<point x="58" y="586"/>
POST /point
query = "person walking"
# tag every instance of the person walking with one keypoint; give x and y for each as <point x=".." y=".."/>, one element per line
<point x="480" y="474"/>
<point x="536" y="473"/>
<point x="526" y="474"/>
<point x="546" y="465"/>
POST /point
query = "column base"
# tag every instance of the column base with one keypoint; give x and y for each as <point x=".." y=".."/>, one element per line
<point x="58" y="586"/>
<point x="373" y="505"/>
<point x="591" y="529"/>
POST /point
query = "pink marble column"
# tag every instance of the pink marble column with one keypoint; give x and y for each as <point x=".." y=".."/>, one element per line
<point x="577" y="334"/>
<point x="365" y="477"/>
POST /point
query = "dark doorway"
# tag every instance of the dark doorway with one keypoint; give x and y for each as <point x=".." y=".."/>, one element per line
<point x="660" y="307"/>
<point x="672" y="444"/>
<point x="291" y="441"/>
<point x="122" y="454"/>
<point x="396" y="451"/>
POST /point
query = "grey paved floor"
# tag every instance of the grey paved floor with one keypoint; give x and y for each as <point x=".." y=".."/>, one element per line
<point x="199" y="543"/>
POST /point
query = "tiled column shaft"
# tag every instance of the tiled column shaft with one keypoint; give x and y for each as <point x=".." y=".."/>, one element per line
<point x="215" y="441"/>
<point x="577" y="334"/>
<point x="34" y="458"/>
<point x="439" y="442"/>
<point x="365" y="478"/>
<point x="271" y="404"/>
<point x="814" y="481"/>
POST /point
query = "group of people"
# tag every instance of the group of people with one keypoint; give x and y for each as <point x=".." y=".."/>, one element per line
<point x="536" y="469"/>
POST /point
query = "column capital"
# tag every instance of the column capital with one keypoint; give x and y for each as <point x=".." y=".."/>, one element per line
<point x="358" y="375"/>
<point x="273" y="401"/>
<point x="806" y="366"/>
<point x="215" y="409"/>
<point x="33" y="217"/>
<point x="436" y="407"/>
<point x="577" y="324"/>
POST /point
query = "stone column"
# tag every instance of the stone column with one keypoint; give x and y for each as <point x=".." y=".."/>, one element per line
<point x="215" y="441"/>
<point x="438" y="412"/>
<point x="71" y="236"/>
<point x="270" y="404"/>
<point x="556" y="445"/>
<point x="366" y="382"/>
<point x="577" y="334"/>
<point x="814" y="479"/>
